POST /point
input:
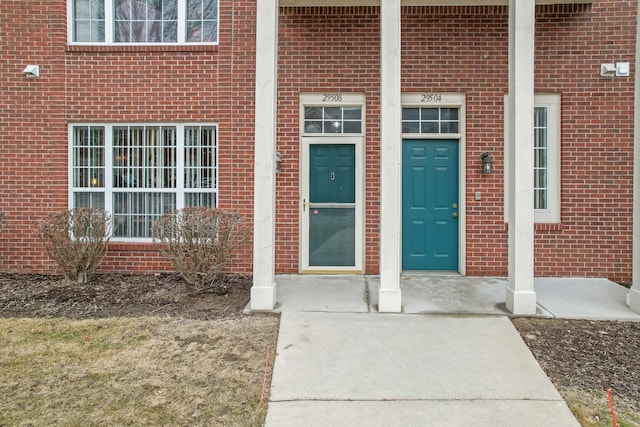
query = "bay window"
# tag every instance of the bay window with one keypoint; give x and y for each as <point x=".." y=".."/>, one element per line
<point x="138" y="172"/>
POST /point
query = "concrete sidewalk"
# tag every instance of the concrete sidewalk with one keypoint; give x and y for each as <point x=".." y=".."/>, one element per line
<point x="365" y="369"/>
<point x="452" y="358"/>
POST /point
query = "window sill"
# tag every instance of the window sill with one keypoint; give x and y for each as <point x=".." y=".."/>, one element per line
<point x="143" y="48"/>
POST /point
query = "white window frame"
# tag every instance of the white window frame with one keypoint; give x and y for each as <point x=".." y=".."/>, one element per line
<point x="553" y="102"/>
<point x="179" y="189"/>
<point x="109" y="24"/>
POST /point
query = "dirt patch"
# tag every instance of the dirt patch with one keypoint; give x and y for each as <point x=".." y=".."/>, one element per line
<point x="121" y="295"/>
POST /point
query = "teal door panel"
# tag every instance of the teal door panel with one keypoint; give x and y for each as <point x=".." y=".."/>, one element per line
<point x="430" y="205"/>
<point x="332" y="196"/>
<point x="332" y="173"/>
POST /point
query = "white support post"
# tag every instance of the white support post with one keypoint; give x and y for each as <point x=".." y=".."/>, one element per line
<point x="263" y="291"/>
<point x="521" y="298"/>
<point x="634" y="293"/>
<point x="390" y="296"/>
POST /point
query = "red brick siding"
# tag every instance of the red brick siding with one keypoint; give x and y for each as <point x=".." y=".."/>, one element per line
<point x="325" y="50"/>
<point x="107" y="84"/>
<point x="452" y="49"/>
<point x="464" y="49"/>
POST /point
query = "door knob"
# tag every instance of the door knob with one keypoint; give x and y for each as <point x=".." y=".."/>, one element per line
<point x="455" y="215"/>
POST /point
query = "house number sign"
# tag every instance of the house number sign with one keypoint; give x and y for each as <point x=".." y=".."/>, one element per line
<point x="331" y="97"/>
<point x="431" y="97"/>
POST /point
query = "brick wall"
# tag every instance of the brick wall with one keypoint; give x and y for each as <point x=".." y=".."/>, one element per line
<point x="464" y="49"/>
<point x="334" y="49"/>
<point x="107" y="84"/>
<point x="326" y="50"/>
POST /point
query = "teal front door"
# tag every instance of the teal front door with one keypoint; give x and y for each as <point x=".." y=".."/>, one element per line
<point x="430" y="205"/>
<point x="332" y="205"/>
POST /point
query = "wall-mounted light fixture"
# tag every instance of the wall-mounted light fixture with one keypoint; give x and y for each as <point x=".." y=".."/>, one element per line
<point x="32" y="71"/>
<point x="487" y="162"/>
<point x="278" y="161"/>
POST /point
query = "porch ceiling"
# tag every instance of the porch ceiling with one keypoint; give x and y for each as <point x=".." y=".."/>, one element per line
<point x="284" y="3"/>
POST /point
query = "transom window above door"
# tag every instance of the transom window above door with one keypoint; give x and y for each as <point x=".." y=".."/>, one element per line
<point x="143" y="21"/>
<point x="332" y="120"/>
<point x="430" y="120"/>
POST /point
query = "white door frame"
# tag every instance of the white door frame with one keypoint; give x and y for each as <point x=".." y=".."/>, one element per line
<point x="447" y="100"/>
<point x="306" y="142"/>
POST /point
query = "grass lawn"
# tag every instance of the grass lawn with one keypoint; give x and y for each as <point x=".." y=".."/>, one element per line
<point x="145" y="371"/>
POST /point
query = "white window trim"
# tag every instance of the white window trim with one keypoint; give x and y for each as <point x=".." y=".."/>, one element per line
<point x="109" y="22"/>
<point x="551" y="215"/>
<point x="179" y="190"/>
<point x="333" y="99"/>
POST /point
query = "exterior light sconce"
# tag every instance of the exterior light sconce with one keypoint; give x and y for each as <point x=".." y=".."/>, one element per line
<point x="32" y="71"/>
<point x="278" y="161"/>
<point x="487" y="162"/>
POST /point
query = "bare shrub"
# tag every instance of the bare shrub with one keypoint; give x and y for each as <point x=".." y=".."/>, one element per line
<point x="76" y="240"/>
<point x="199" y="242"/>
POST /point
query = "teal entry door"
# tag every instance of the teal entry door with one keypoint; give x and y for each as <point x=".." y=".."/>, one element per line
<point x="332" y="205"/>
<point x="430" y="205"/>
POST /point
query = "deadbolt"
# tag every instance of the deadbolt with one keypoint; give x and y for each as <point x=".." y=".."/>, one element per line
<point x="455" y="206"/>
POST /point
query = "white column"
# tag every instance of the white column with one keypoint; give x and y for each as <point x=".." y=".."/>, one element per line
<point x="263" y="292"/>
<point x="390" y="297"/>
<point x="634" y="293"/>
<point x="521" y="298"/>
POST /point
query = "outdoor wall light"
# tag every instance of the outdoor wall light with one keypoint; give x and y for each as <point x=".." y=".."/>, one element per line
<point x="487" y="162"/>
<point x="32" y="71"/>
<point x="278" y="161"/>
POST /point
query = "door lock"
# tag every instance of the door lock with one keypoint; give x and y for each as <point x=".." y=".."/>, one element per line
<point x="455" y="215"/>
<point x="333" y="176"/>
<point x="455" y="206"/>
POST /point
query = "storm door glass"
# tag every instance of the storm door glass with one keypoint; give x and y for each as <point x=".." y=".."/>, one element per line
<point x="332" y="205"/>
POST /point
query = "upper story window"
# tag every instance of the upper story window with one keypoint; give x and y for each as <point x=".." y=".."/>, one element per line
<point x="332" y="120"/>
<point x="430" y="120"/>
<point x="143" y="21"/>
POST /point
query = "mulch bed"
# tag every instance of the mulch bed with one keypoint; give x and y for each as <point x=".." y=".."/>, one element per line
<point x="111" y="294"/>
<point x="588" y="355"/>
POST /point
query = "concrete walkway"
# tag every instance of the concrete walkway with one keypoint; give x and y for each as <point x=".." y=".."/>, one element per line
<point x="460" y="363"/>
<point x="345" y="369"/>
